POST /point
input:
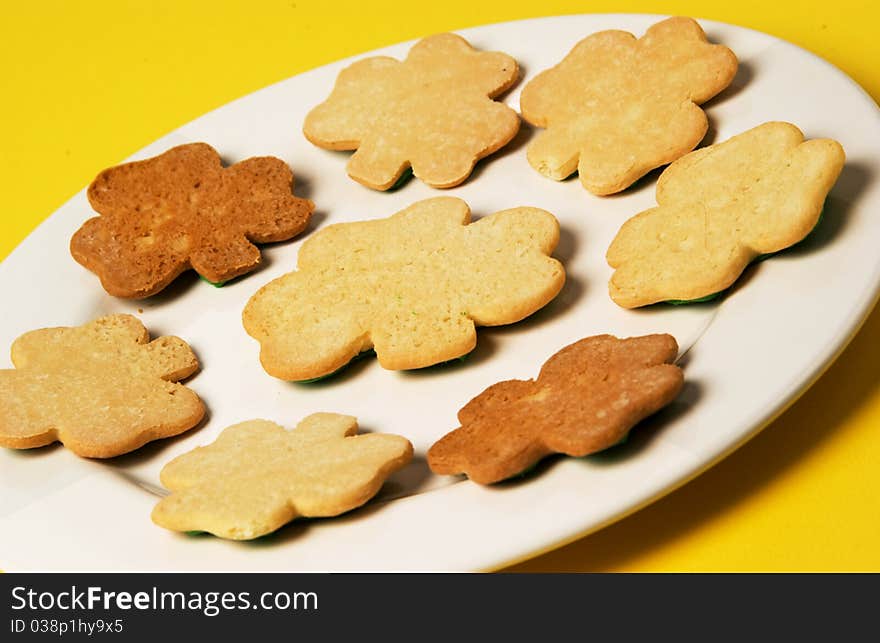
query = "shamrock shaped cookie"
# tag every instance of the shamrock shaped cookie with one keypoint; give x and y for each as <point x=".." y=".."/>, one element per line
<point x="258" y="476"/>
<point x="433" y="112"/>
<point x="181" y="210"/>
<point x="617" y="107"/>
<point x="412" y="286"/>
<point x="720" y="208"/>
<point x="101" y="389"/>
<point x="586" y="398"/>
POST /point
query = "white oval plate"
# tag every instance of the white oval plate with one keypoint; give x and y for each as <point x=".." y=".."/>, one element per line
<point x="763" y="344"/>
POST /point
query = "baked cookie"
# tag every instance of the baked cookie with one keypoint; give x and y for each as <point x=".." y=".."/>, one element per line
<point x="412" y="286"/>
<point x="101" y="389"/>
<point x="181" y="210"/>
<point x="257" y="476"/>
<point x="719" y="208"/>
<point x="433" y="112"/>
<point x="617" y="107"/>
<point x="586" y="398"/>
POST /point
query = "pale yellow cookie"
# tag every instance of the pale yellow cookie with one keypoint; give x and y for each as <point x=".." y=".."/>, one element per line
<point x="433" y="112"/>
<point x="258" y="476"/>
<point x="719" y="208"/>
<point x="617" y="107"/>
<point x="412" y="286"/>
<point x="101" y="389"/>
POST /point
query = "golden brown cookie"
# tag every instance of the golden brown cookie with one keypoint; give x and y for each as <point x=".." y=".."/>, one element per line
<point x="586" y="398"/>
<point x="433" y="112"/>
<point x="181" y="210"/>
<point x="617" y="107"/>
<point x="101" y="389"/>
<point x="719" y="208"/>
<point x="257" y="476"/>
<point x="412" y="286"/>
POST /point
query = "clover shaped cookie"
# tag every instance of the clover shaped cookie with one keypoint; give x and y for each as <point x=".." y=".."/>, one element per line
<point x="101" y="389"/>
<point x="412" y="286"/>
<point x="433" y="112"/>
<point x="257" y="476"/>
<point x="181" y="210"/>
<point x="617" y="107"/>
<point x="719" y="209"/>
<point x="586" y="398"/>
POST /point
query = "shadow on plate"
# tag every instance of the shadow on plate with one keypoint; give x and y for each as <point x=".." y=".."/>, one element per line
<point x="745" y="74"/>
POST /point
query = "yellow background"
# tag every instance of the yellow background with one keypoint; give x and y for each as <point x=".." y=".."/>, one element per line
<point x="86" y="84"/>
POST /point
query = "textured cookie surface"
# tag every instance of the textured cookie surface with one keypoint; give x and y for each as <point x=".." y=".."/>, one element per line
<point x="102" y="389"/>
<point x="719" y="208"/>
<point x="586" y="398"/>
<point x="257" y="476"/>
<point x="411" y="286"/>
<point x="433" y="112"/>
<point x="181" y="210"/>
<point x="617" y="107"/>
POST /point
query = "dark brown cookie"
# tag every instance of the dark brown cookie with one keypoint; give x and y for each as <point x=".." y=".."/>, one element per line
<point x="586" y="398"/>
<point x="183" y="209"/>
